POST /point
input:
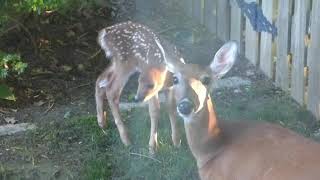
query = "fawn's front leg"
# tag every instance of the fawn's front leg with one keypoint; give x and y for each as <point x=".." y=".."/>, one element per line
<point x="154" y="112"/>
<point x="100" y="96"/>
<point x="113" y="93"/>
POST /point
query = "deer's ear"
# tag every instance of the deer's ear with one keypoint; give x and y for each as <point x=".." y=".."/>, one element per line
<point x="224" y="59"/>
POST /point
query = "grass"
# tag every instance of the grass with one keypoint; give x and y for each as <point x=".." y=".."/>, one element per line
<point x="76" y="148"/>
<point x="263" y="102"/>
<point x="82" y="150"/>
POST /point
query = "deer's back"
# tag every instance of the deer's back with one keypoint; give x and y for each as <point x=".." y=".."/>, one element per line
<point x="263" y="151"/>
<point x="127" y="41"/>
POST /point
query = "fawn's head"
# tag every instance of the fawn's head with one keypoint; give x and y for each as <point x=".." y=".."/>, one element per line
<point x="192" y="83"/>
<point x="151" y="82"/>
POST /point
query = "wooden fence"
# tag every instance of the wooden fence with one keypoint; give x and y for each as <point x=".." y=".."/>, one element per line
<point x="291" y="59"/>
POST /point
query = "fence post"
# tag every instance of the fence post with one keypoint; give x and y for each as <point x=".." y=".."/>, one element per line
<point x="223" y="20"/>
<point x="210" y="15"/>
<point x="266" y="60"/>
<point x="313" y="59"/>
<point x="236" y="21"/>
<point x="187" y="7"/>
<point x="282" y="66"/>
<point x="198" y="6"/>
<point x="251" y="41"/>
<point x="298" y="51"/>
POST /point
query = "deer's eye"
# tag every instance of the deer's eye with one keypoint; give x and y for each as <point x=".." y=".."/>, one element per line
<point x="150" y="86"/>
<point x="205" y="80"/>
<point x="175" y="80"/>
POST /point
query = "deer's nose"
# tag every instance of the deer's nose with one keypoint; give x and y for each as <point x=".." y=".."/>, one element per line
<point x="185" y="107"/>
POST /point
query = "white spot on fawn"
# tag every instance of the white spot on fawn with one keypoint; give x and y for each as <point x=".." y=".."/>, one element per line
<point x="103" y="83"/>
<point x="127" y="31"/>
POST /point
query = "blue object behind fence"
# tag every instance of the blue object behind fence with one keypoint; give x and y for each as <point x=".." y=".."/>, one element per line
<point x="257" y="20"/>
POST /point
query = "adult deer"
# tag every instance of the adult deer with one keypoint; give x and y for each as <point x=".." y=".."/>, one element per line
<point x="236" y="150"/>
<point x="131" y="48"/>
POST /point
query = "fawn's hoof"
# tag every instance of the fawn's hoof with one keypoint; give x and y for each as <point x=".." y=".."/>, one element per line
<point x="152" y="151"/>
<point x="126" y="142"/>
<point x="177" y="144"/>
<point x="102" y="125"/>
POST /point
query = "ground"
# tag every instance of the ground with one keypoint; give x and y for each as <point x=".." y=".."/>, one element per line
<point x="57" y="95"/>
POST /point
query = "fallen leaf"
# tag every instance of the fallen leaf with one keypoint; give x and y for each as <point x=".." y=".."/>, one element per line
<point x="39" y="103"/>
<point x="10" y="120"/>
<point x="70" y="34"/>
<point x="67" y="115"/>
<point x="66" y="68"/>
<point x="61" y="42"/>
<point x="80" y="67"/>
<point x="5" y="111"/>
<point x="57" y="173"/>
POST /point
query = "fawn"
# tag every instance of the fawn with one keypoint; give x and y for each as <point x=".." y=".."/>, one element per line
<point x="236" y="150"/>
<point x="131" y="48"/>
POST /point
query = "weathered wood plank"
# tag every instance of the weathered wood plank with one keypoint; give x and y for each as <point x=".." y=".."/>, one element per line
<point x="298" y="51"/>
<point x="236" y="24"/>
<point x="198" y="11"/>
<point x="266" y="62"/>
<point x="282" y="66"/>
<point x="251" y="42"/>
<point x="313" y="58"/>
<point x="210" y="15"/>
<point x="307" y="37"/>
<point x="187" y="6"/>
<point x="223" y="20"/>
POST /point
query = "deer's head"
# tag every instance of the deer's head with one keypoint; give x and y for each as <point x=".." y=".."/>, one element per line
<point x="192" y="83"/>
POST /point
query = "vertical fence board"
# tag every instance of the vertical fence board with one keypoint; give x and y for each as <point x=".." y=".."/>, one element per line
<point x="187" y="6"/>
<point x="223" y="20"/>
<point x="298" y="51"/>
<point x="282" y="66"/>
<point x="198" y="10"/>
<point x="307" y="40"/>
<point x="251" y="42"/>
<point x="266" y="64"/>
<point x="210" y="15"/>
<point x="236" y="24"/>
<point x="313" y="59"/>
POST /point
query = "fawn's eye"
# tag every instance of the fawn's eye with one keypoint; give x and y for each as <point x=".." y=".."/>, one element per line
<point x="205" y="80"/>
<point x="150" y="86"/>
<point x="175" y="80"/>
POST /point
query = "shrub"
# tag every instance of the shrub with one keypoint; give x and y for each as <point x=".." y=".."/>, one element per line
<point x="9" y="64"/>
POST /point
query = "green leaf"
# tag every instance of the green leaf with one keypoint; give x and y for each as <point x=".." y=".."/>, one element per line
<point x="6" y="93"/>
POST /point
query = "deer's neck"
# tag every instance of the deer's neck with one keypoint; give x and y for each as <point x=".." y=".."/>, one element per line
<point x="203" y="134"/>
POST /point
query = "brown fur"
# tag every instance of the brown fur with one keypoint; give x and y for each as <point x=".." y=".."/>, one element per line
<point x="240" y="150"/>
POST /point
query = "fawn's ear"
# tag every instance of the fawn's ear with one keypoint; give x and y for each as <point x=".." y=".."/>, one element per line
<point x="224" y="59"/>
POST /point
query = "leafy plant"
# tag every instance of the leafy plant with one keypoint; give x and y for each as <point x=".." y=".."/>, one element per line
<point x="6" y="93"/>
<point x="40" y="6"/>
<point x="9" y="63"/>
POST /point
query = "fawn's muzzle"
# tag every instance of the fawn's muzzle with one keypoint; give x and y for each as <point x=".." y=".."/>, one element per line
<point x="185" y="107"/>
